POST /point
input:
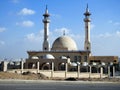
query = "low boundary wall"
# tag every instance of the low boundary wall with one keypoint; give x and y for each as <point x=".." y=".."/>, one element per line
<point x="61" y="74"/>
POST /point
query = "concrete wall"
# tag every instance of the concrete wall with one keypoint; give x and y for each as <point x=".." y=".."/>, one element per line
<point x="61" y="74"/>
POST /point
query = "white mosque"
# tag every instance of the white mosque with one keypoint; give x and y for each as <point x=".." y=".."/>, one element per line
<point x="64" y="52"/>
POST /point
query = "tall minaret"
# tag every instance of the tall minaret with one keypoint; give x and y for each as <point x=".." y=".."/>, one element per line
<point x="46" y="21"/>
<point x="87" y="44"/>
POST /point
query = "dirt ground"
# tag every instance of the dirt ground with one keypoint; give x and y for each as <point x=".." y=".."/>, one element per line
<point x="25" y="76"/>
<point x="32" y="76"/>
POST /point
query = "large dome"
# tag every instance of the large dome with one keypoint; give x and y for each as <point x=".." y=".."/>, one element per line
<point x="64" y="43"/>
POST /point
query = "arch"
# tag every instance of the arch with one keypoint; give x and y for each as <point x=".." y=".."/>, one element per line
<point x="104" y="69"/>
<point x="94" y="69"/>
<point x="61" y="66"/>
<point x="46" y="66"/>
<point x="84" y="69"/>
<point x="31" y="65"/>
<point x="73" y="68"/>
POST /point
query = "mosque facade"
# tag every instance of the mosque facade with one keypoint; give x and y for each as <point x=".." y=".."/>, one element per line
<point x="64" y="52"/>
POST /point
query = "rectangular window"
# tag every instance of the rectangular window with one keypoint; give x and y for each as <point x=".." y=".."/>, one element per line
<point x="75" y="58"/>
<point x="79" y="59"/>
<point x="85" y="58"/>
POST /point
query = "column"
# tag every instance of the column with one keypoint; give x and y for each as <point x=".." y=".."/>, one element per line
<point x="101" y="72"/>
<point x="4" y="66"/>
<point x="90" y="72"/>
<point x="52" y="71"/>
<point x="38" y="65"/>
<point x="109" y="71"/>
<point x="66" y="69"/>
<point x="22" y="66"/>
<point x="113" y="71"/>
<point x="78" y="74"/>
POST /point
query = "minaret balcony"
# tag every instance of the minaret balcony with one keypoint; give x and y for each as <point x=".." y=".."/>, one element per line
<point x="46" y="20"/>
<point x="87" y="20"/>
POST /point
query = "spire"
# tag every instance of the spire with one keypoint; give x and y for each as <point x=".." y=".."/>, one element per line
<point x="46" y="12"/>
<point x="87" y="9"/>
<point x="87" y="13"/>
<point x="46" y="7"/>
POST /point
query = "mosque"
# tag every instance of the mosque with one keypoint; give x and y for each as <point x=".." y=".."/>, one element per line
<point x="64" y="52"/>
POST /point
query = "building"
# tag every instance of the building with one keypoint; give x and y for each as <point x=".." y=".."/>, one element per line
<point x="64" y="52"/>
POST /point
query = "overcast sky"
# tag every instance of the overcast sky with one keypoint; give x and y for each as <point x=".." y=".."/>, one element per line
<point x="21" y="26"/>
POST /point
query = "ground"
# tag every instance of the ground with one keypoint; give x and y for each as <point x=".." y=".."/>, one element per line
<point x="25" y="76"/>
<point x="32" y="76"/>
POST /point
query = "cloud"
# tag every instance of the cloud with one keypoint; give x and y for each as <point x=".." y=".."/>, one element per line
<point x="2" y="43"/>
<point x="2" y="29"/>
<point x="27" y="23"/>
<point x="62" y="31"/>
<point x="92" y="26"/>
<point x="66" y="31"/>
<point x="118" y="33"/>
<point x="34" y="37"/>
<point x="117" y="23"/>
<point x="114" y="23"/>
<point x="105" y="35"/>
<point x="110" y="21"/>
<point x="106" y="43"/>
<point x="15" y="1"/>
<point x="56" y="16"/>
<point x="52" y="35"/>
<point x="26" y="11"/>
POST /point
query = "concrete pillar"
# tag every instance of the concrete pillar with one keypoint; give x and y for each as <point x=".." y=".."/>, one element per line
<point x="78" y="74"/>
<point x="90" y="71"/>
<point x="38" y="65"/>
<point x="52" y="71"/>
<point x="101" y="72"/>
<point x="4" y="66"/>
<point x="113" y="71"/>
<point x="66" y="69"/>
<point x="109" y="71"/>
<point x="22" y="66"/>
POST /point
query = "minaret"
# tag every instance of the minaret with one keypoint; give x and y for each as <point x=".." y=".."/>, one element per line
<point x="46" y="21"/>
<point x="87" y="44"/>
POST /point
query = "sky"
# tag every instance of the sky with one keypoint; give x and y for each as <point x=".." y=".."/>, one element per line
<point x="21" y="26"/>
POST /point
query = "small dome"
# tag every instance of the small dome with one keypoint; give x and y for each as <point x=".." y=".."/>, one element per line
<point x="64" y="43"/>
<point x="11" y="63"/>
<point x="94" y="63"/>
<point x="73" y="64"/>
<point x="63" y="57"/>
<point x="35" y="57"/>
<point x="85" y="63"/>
<point x="48" y="56"/>
<point x="17" y="63"/>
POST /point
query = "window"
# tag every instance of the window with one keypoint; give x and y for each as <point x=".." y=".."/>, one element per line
<point x="45" y="48"/>
<point x="75" y="58"/>
<point x="79" y="59"/>
<point x="85" y="58"/>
